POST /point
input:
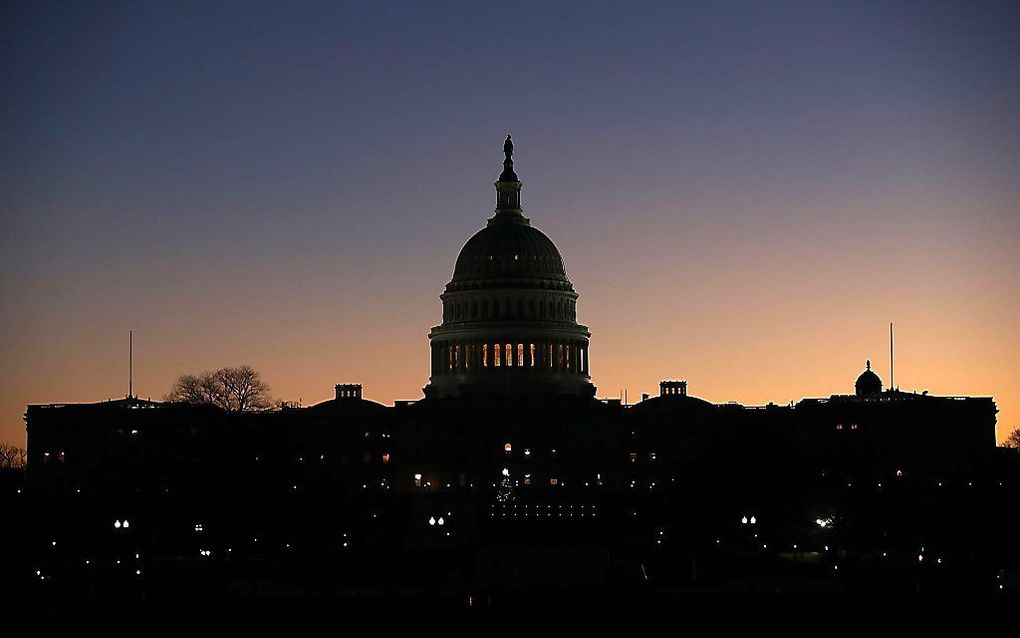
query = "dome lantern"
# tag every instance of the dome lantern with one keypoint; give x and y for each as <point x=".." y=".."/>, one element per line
<point x="508" y="190"/>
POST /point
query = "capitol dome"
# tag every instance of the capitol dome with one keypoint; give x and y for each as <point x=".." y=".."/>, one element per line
<point x="509" y="249"/>
<point x="509" y="312"/>
<point x="868" y="383"/>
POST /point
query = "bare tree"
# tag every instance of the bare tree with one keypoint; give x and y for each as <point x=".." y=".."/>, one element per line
<point x="12" y="457"/>
<point x="239" y="389"/>
<point x="1012" y="439"/>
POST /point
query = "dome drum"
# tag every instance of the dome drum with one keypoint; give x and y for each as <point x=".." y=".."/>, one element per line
<point x="509" y="304"/>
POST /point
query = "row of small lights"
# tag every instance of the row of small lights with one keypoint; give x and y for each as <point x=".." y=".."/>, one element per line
<point x="560" y="483"/>
<point x="432" y="521"/>
<point x="526" y="506"/>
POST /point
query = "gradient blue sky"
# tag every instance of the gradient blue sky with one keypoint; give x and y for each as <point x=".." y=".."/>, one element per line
<point x="744" y="193"/>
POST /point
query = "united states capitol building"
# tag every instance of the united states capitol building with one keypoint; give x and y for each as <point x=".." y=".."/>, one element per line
<point x="510" y="481"/>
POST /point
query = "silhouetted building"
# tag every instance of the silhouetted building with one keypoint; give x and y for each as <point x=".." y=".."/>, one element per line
<point x="509" y="313"/>
<point x="509" y="479"/>
<point x="868" y="384"/>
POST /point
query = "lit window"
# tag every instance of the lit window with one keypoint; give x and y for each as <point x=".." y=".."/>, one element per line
<point x="527" y="479"/>
<point x="899" y="472"/>
<point x="509" y="357"/>
<point x="508" y="448"/>
<point x="553" y="481"/>
<point x="485" y="355"/>
<point x="839" y="426"/>
<point x="527" y="451"/>
<point x="633" y="457"/>
<point x="651" y="456"/>
<point x="520" y="355"/>
<point x="386" y="457"/>
<point x="417" y="480"/>
<point x="495" y="355"/>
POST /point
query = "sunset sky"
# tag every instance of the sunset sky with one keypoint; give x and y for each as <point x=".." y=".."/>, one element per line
<point x="744" y="194"/>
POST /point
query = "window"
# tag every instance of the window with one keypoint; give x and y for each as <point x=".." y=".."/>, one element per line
<point x="553" y="481"/>
<point x="485" y="355"/>
<point x="633" y="457"/>
<point x="527" y="479"/>
<point x="532" y="360"/>
<point x="385" y="458"/>
<point x="520" y="355"/>
<point x="652" y="456"/>
<point x="495" y="355"/>
<point x="509" y="354"/>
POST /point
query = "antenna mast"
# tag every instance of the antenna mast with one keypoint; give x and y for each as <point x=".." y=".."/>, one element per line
<point x="131" y="363"/>
<point x="892" y="377"/>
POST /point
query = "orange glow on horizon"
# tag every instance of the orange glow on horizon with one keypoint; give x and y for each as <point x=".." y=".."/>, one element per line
<point x="740" y="320"/>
